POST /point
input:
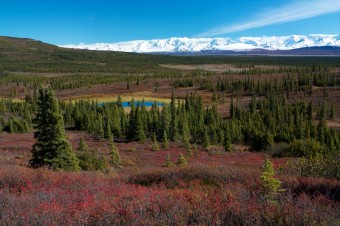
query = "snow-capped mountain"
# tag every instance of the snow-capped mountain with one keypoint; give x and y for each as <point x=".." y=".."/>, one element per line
<point x="178" y="45"/>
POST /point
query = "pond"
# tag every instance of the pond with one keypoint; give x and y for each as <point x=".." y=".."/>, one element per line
<point x="127" y="104"/>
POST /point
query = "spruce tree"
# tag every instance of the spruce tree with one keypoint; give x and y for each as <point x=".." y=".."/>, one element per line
<point x="132" y="123"/>
<point x="232" y="112"/>
<point x="11" y="127"/>
<point x="114" y="155"/>
<point x="165" y="121"/>
<point x="310" y="111"/>
<point x="173" y="120"/>
<point x="155" y="146"/>
<point x="195" y="150"/>
<point x="270" y="185"/>
<point x="111" y="140"/>
<point x="139" y="133"/>
<point x="165" y="141"/>
<point x="322" y="127"/>
<point x="100" y="128"/>
<point x="108" y="132"/>
<point x="206" y="140"/>
<point x="227" y="140"/>
<point x="182" y="161"/>
<point x="82" y="146"/>
<point x="168" y="162"/>
<point x="332" y="112"/>
<point x="52" y="148"/>
<point x="186" y="136"/>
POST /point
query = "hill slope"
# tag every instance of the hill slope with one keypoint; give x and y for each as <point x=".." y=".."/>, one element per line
<point x="20" y="54"/>
<point x="27" y="55"/>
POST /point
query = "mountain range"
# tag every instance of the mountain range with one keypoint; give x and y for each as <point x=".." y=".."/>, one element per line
<point x="215" y="45"/>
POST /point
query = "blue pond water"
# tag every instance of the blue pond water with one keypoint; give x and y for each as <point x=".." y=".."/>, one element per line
<point x="127" y="104"/>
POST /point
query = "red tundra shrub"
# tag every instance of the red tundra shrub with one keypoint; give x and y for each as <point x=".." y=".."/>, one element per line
<point x="193" y="195"/>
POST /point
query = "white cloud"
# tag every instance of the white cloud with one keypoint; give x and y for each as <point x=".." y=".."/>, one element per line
<point x="297" y="10"/>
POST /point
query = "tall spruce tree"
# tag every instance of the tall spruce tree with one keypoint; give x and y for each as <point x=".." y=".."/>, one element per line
<point x="165" y="141"/>
<point x="206" y="139"/>
<point x="139" y="133"/>
<point x="186" y="136"/>
<point x="332" y="112"/>
<point x="52" y="148"/>
<point x="227" y="140"/>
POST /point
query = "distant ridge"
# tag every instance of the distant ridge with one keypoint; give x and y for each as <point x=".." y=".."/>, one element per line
<point x="204" y="45"/>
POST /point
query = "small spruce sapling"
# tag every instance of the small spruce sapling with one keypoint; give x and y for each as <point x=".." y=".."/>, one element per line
<point x="270" y="185"/>
<point x="114" y="155"/>
<point x="182" y="161"/>
<point x="168" y="162"/>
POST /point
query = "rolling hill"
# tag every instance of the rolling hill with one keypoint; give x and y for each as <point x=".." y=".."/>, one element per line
<point x="27" y="55"/>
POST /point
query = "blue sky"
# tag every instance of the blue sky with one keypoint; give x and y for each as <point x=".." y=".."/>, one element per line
<point x="89" y="21"/>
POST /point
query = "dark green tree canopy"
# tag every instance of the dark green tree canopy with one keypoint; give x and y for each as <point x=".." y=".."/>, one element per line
<point x="52" y="148"/>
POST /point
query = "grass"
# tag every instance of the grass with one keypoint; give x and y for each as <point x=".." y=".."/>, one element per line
<point x="15" y="100"/>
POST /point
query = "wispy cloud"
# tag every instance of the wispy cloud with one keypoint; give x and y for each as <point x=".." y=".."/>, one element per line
<point x="297" y="10"/>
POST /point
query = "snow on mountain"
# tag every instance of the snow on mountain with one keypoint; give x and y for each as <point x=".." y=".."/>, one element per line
<point x="175" y="45"/>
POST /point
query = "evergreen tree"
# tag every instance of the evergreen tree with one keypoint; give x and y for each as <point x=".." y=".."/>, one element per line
<point x="52" y="148"/>
<point x="310" y="111"/>
<point x="82" y="146"/>
<point x="322" y="127"/>
<point x="195" y="150"/>
<point x="232" y="112"/>
<point x="155" y="146"/>
<point x="173" y="120"/>
<point x="168" y="162"/>
<point x="332" y="112"/>
<point x="182" y="161"/>
<point x="227" y="140"/>
<point x="132" y="123"/>
<point x="252" y="104"/>
<point x="100" y="128"/>
<point x="89" y="160"/>
<point x="11" y="127"/>
<point x="165" y="141"/>
<point x="139" y="134"/>
<point x="271" y="186"/>
<point x="111" y="139"/>
<point x="206" y="140"/>
<point x="108" y="132"/>
<point x="114" y="155"/>
<point x="186" y="136"/>
<point x="165" y="121"/>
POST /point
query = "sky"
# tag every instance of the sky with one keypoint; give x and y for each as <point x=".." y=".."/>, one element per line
<point x="93" y="21"/>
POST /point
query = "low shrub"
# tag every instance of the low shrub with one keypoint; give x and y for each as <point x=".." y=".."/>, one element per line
<point x="316" y="167"/>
